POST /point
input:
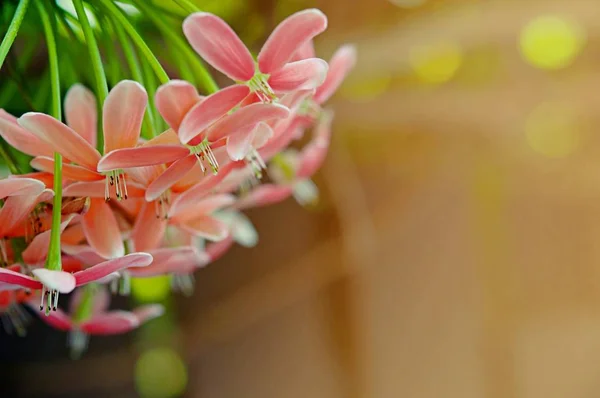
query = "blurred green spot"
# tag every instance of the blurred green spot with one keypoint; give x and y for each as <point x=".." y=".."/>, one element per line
<point x="151" y="290"/>
<point x="551" y="42"/>
<point x="367" y="88"/>
<point x="160" y="373"/>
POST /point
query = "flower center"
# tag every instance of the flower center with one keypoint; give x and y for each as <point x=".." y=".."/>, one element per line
<point x="116" y="179"/>
<point x="204" y="153"/>
<point x="259" y="84"/>
<point x="161" y="205"/>
<point x="49" y="300"/>
<point x="256" y="163"/>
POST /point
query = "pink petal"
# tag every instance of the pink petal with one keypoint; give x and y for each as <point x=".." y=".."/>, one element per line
<point x="148" y="312"/>
<point x="95" y="189"/>
<point x="61" y="138"/>
<point x="300" y="75"/>
<point x="174" y="99"/>
<point x="312" y="157"/>
<point x="20" y="138"/>
<point x="238" y="145"/>
<point x="11" y="277"/>
<point x="306" y="50"/>
<point x="266" y="194"/>
<point x="69" y="171"/>
<point x="101" y="300"/>
<point x="20" y="186"/>
<point x="186" y="210"/>
<point x="262" y="133"/>
<point x="244" y="117"/>
<point x="102" y="231"/>
<point x="181" y="260"/>
<point x="218" y="44"/>
<point x="149" y="229"/>
<point x="206" y="227"/>
<point x="57" y="319"/>
<point x="110" y="323"/>
<point x="80" y="112"/>
<point x="290" y="35"/>
<point x="55" y="280"/>
<point x="46" y="178"/>
<point x="122" y="115"/>
<point x="141" y="156"/>
<point x="216" y="250"/>
<point x="101" y="270"/>
<point x="168" y="137"/>
<point x="170" y="177"/>
<point x="211" y="109"/>
<point x="84" y="253"/>
<point x="17" y="208"/>
<point x="340" y="65"/>
<point x="37" y="250"/>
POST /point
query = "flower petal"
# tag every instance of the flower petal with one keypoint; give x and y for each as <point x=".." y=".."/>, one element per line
<point x="216" y="250"/>
<point x="306" y="50"/>
<point x="300" y="75"/>
<point x="174" y="99"/>
<point x="20" y="186"/>
<point x="290" y="35"/>
<point x="95" y="189"/>
<point x="55" y="280"/>
<point x="181" y="260"/>
<point x="46" y="178"/>
<point x="211" y="109"/>
<point x="170" y="177"/>
<point x="110" y="323"/>
<point x="148" y="312"/>
<point x="262" y="133"/>
<point x="58" y="319"/>
<point x="148" y="230"/>
<point x="14" y="278"/>
<point x="238" y="145"/>
<point x="20" y="138"/>
<point x="219" y="45"/>
<point x="17" y="208"/>
<point x="122" y="115"/>
<point x="101" y="270"/>
<point x="340" y="65"/>
<point x="101" y="300"/>
<point x="186" y="210"/>
<point x="37" y="250"/>
<point x="69" y="171"/>
<point x="141" y="156"/>
<point x="61" y="139"/>
<point x="266" y="194"/>
<point x="312" y="157"/>
<point x="84" y="253"/>
<point x="102" y="231"/>
<point x="206" y="227"/>
<point x="244" y="117"/>
<point x="80" y="112"/>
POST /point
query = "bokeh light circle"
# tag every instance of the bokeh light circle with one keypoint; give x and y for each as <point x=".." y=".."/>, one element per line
<point x="160" y="373"/>
<point x="151" y="290"/>
<point x="436" y="63"/>
<point x="551" y="42"/>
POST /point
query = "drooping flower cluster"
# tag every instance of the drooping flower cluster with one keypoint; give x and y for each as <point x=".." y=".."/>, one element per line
<point x="141" y="208"/>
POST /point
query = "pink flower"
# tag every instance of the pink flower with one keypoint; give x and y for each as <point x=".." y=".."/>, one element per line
<point x="89" y="315"/>
<point x="51" y="283"/>
<point x="273" y="72"/>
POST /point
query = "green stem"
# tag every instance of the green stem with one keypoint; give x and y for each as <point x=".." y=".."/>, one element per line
<point x="53" y="261"/>
<point x="205" y="79"/>
<point x="150" y="84"/>
<point x="119" y="17"/>
<point x="13" y="29"/>
<point x="187" y="5"/>
<point x="94" y="53"/>
<point x="136" y="72"/>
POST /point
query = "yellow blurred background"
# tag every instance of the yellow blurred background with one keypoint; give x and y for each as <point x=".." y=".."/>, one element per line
<point x="455" y="248"/>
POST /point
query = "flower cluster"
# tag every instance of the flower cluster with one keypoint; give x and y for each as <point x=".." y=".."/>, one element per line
<point x="170" y="204"/>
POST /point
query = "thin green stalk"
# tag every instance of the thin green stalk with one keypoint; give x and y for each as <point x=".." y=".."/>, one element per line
<point x="13" y="29"/>
<point x="94" y="53"/>
<point x="187" y="5"/>
<point x="150" y="83"/>
<point x="10" y="162"/>
<point x="205" y="79"/>
<point x="118" y="16"/>
<point x="53" y="261"/>
<point x="136" y="72"/>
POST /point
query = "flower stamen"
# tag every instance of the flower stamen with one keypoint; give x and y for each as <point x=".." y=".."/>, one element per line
<point x="204" y="153"/>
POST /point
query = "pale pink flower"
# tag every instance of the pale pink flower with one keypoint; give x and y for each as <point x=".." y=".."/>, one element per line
<point x="273" y="72"/>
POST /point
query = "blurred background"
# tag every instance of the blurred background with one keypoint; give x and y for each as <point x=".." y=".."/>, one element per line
<point x="454" y="251"/>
